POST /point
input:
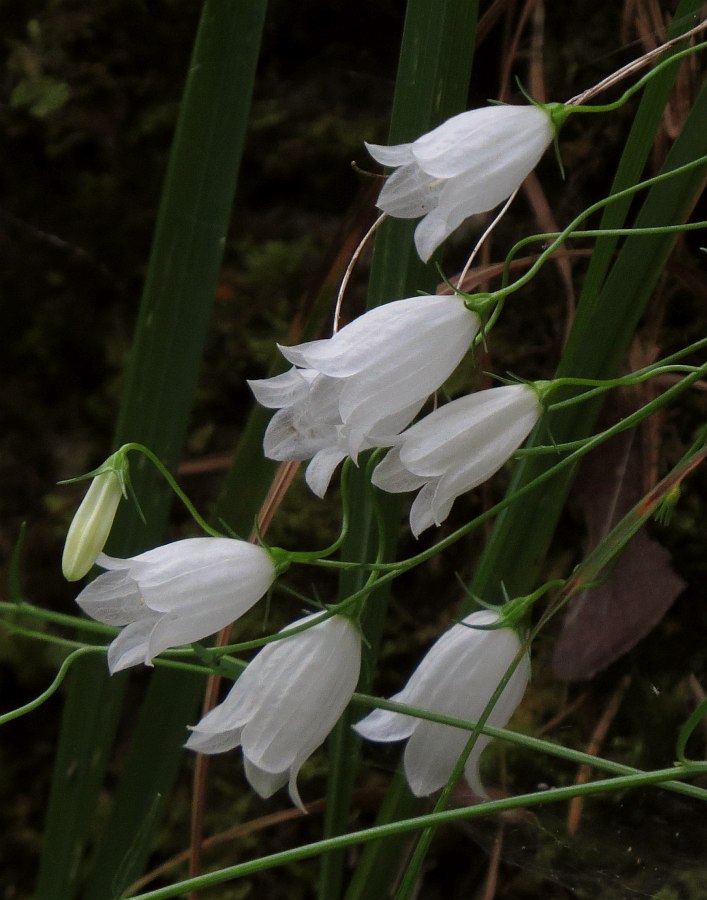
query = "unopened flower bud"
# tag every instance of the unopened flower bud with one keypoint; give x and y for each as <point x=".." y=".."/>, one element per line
<point x="92" y="523"/>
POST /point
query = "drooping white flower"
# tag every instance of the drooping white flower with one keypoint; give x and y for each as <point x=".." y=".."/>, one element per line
<point x="457" y="447"/>
<point x="457" y="677"/>
<point x="361" y="387"/>
<point x="285" y="703"/>
<point x="175" y="594"/>
<point x="91" y="524"/>
<point x="467" y="165"/>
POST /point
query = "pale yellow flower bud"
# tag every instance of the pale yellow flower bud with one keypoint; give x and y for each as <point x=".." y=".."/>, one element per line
<point x="91" y="525"/>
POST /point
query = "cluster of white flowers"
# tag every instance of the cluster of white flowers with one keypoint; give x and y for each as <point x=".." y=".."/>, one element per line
<point x="358" y="390"/>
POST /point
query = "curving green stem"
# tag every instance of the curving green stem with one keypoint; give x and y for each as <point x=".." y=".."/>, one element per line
<point x="416" y="823"/>
<point x="504" y="292"/>
<point x="543" y="237"/>
<point x="642" y="81"/>
<point x="170" y="479"/>
<point x="345" y="489"/>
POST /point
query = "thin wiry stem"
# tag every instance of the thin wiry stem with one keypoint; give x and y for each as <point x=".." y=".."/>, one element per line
<point x="633" y="66"/>
<point x="484" y="236"/>
<point x="349" y="269"/>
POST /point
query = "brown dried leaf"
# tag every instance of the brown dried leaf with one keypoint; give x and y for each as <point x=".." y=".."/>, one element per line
<point x="605" y="622"/>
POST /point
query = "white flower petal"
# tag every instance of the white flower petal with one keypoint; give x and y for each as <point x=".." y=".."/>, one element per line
<point x="374" y="336"/>
<point x="112" y="563"/>
<point x="280" y="390"/>
<point x="421" y="512"/>
<point x="432" y="354"/>
<point x="176" y="629"/>
<point x="427" y="771"/>
<point x="219" y="742"/>
<point x="459" y="428"/>
<point x="113" y="599"/>
<point x="320" y="470"/>
<point x="130" y="646"/>
<point x="397" y="155"/>
<point x="299" y="713"/>
<point x="480" y="137"/>
<point x="457" y="447"/>
<point x="449" y="149"/>
<point x="202" y="573"/>
<point x="485" y="460"/>
<point x="386" y="726"/>
<point x="392" y="476"/>
<point x="264" y="783"/>
<point x="409" y="193"/>
<point x="286" y="439"/>
<point x="472" y="767"/>
<point x="432" y="231"/>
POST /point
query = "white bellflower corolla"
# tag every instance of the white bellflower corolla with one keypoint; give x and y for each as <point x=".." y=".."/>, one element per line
<point x="308" y="424"/>
<point x="457" y="678"/>
<point x="361" y="387"/>
<point x="175" y="594"/>
<point x="285" y="703"/>
<point x="467" y="165"/>
<point x="457" y="447"/>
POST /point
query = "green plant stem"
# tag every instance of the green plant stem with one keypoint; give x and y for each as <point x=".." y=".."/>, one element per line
<point x="390" y="571"/>
<point x="629" y="92"/>
<point x="534" y="745"/>
<point x="53" y="687"/>
<point x="594" y="233"/>
<point x="417" y="823"/>
<point x="503" y="292"/>
<point x="172" y="482"/>
<point x="345" y="490"/>
<point x="37" y="612"/>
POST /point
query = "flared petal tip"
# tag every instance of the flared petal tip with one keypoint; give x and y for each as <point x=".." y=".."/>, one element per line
<point x="397" y="155"/>
<point x="429" y="235"/>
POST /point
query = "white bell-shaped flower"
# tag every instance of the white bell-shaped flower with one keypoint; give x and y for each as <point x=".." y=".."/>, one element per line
<point x="467" y="165"/>
<point x="285" y="703"/>
<point x="457" y="447"/>
<point x="457" y="677"/>
<point x="175" y="594"/>
<point x="361" y="387"/>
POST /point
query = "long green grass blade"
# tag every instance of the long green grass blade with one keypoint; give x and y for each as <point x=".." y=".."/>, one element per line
<point x="89" y="725"/>
<point x="192" y="230"/>
<point x="432" y="84"/>
<point x="161" y="379"/>
<point x="636" y="151"/>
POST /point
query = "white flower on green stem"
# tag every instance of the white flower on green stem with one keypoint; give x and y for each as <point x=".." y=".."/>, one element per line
<point x="457" y="447"/>
<point x="457" y="677"/>
<point x="285" y="703"/>
<point x="361" y="387"/>
<point x="467" y="165"/>
<point x="175" y="594"/>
